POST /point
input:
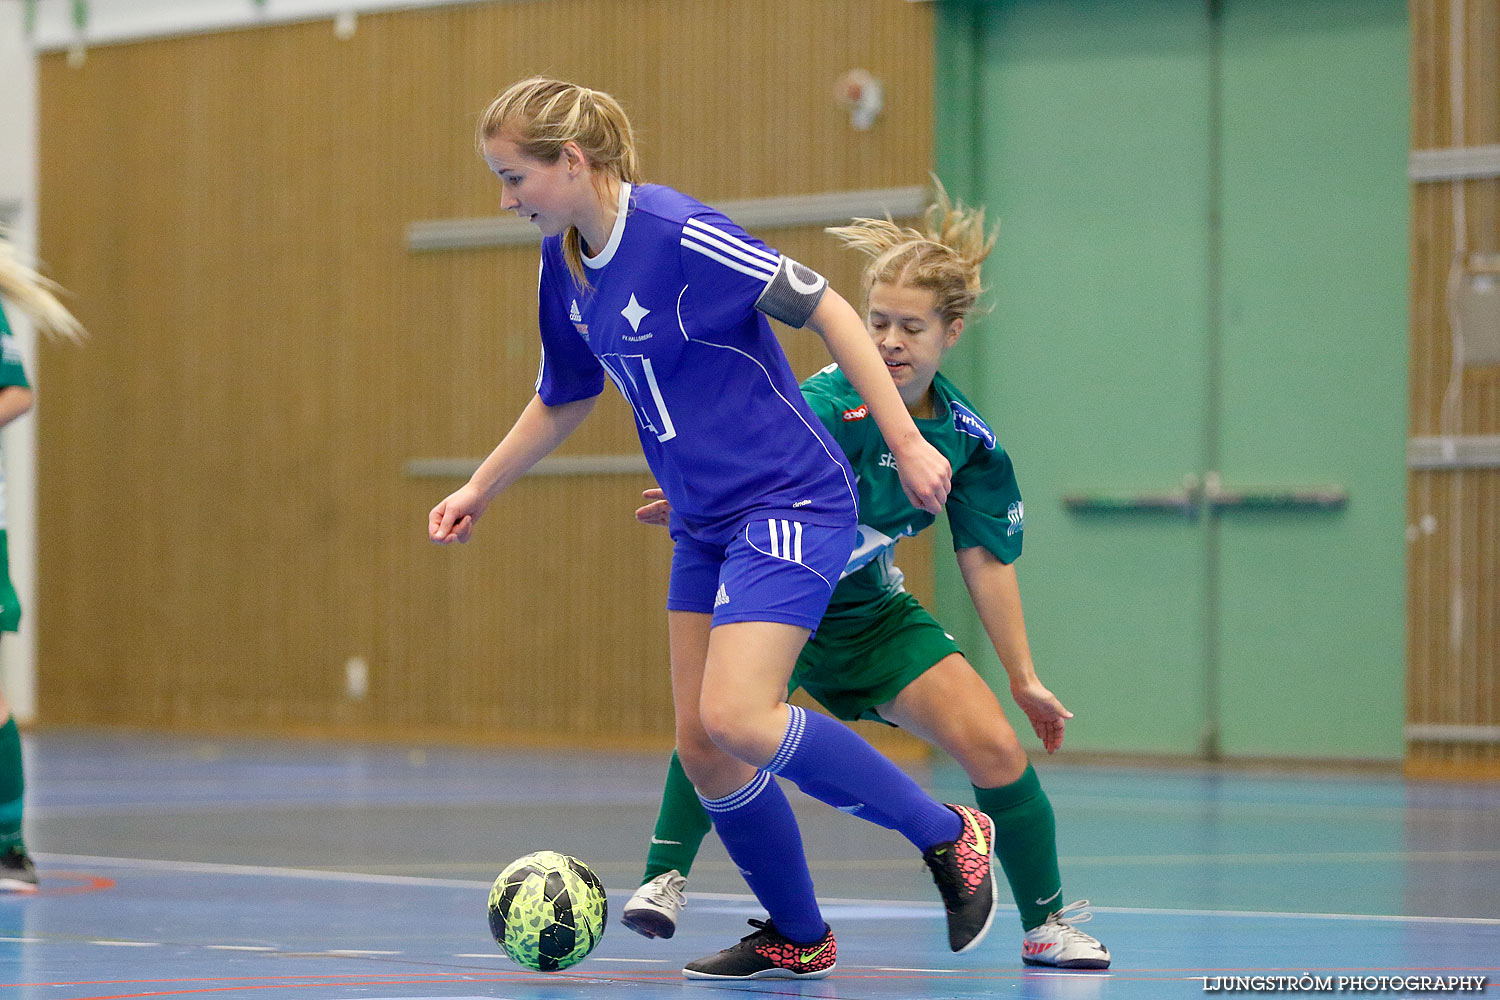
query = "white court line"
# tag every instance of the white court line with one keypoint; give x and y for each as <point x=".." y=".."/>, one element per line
<point x="1390" y="918"/>
<point x="128" y="944"/>
<point x="1279" y="859"/>
<point x="239" y="947"/>
<point x="728" y="897"/>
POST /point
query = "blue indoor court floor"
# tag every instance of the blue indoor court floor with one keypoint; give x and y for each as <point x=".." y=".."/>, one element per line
<point x="177" y="866"/>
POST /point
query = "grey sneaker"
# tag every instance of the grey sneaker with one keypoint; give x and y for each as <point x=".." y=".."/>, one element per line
<point x="652" y="912"/>
<point x="17" y="873"/>
<point x="1057" y="943"/>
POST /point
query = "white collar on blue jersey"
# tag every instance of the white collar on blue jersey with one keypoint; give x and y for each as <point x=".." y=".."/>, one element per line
<point x="607" y="254"/>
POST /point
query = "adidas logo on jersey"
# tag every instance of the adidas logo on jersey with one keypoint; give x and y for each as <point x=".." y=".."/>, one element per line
<point x="722" y="597"/>
<point x="858" y="413"/>
<point x="574" y="314"/>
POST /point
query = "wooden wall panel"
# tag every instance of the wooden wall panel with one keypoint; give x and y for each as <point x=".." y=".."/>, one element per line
<point x="1453" y="566"/>
<point x="224" y="521"/>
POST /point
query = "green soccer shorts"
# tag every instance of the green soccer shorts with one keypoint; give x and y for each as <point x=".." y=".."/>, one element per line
<point x="855" y="664"/>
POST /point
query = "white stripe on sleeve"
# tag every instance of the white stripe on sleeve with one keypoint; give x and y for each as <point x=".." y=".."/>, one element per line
<point x="731" y="248"/>
<point x="765" y="276"/>
<point x="713" y="234"/>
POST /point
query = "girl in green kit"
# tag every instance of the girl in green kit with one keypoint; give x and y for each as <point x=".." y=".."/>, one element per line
<point x="877" y="653"/>
<point x="28" y="291"/>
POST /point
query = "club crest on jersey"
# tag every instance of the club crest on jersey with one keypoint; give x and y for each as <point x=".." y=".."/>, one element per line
<point x="1016" y="512"/>
<point x="968" y="422"/>
<point x="858" y="413"/>
<point x="634" y="312"/>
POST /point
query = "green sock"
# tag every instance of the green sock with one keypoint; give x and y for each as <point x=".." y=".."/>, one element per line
<point x="12" y="786"/>
<point x="681" y="825"/>
<point x="1026" y="844"/>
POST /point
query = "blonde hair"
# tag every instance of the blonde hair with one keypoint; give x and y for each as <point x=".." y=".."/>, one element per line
<point x="35" y="295"/>
<point x="946" y="259"/>
<point x="539" y="115"/>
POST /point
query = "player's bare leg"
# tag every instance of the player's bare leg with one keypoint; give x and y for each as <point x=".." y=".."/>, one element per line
<point x="714" y="772"/>
<point x="951" y="706"/>
<point x="748" y="808"/>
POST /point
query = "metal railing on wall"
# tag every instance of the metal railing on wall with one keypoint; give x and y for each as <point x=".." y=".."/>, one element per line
<point x="827" y="208"/>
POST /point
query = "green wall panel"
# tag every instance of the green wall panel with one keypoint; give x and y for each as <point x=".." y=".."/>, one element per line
<point x="1201" y="268"/>
<point x="1314" y="318"/>
<point x="1091" y="366"/>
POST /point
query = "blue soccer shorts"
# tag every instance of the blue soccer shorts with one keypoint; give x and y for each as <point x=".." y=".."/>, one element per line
<point x="772" y="569"/>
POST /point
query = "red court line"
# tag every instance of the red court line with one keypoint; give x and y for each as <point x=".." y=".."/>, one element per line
<point x="236" y="979"/>
<point x="89" y="883"/>
<point x="268" y="986"/>
<point x="516" y="980"/>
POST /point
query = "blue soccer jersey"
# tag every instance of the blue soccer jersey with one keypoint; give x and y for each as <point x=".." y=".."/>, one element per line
<point x="674" y="314"/>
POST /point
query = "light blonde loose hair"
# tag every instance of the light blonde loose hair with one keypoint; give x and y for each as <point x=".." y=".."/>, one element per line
<point x="35" y="295"/>
<point x="946" y="259"/>
<point x="539" y="115"/>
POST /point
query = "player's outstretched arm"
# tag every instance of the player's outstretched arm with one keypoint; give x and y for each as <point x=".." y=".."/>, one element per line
<point x="539" y="429"/>
<point x="925" y="474"/>
<point x="996" y="594"/>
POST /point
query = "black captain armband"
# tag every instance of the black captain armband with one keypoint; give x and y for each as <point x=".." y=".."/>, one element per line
<point x="793" y="293"/>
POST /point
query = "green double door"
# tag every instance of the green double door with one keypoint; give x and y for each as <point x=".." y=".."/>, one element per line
<point x="1197" y="357"/>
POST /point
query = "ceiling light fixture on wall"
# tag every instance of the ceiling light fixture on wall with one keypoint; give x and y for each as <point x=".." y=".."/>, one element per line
<point x="859" y="92"/>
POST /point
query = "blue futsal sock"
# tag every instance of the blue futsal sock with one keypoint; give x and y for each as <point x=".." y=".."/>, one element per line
<point x="831" y="762"/>
<point x="760" y="833"/>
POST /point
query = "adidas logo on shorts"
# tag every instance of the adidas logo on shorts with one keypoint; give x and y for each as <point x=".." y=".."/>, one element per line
<point x="722" y="597"/>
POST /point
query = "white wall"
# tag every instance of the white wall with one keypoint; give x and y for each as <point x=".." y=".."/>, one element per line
<point x="126" y="20"/>
<point x="18" y="192"/>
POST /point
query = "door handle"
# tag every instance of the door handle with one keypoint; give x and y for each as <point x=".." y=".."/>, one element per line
<point x="1290" y="499"/>
<point x="1210" y="494"/>
<point x="1182" y="502"/>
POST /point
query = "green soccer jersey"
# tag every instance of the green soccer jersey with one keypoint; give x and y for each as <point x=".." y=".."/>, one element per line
<point x="11" y="373"/>
<point x="984" y="507"/>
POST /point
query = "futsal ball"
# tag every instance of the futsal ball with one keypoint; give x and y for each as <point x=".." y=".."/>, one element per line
<point x="547" y="911"/>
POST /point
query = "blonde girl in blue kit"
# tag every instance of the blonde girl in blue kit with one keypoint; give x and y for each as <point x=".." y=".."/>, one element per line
<point x="667" y="298"/>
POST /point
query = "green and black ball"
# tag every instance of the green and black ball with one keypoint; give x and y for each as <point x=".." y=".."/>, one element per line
<point x="547" y="911"/>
